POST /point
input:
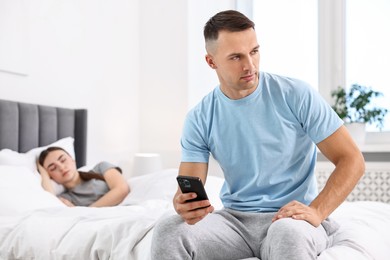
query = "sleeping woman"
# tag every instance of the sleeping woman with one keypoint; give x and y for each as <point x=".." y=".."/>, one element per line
<point x="103" y="186"/>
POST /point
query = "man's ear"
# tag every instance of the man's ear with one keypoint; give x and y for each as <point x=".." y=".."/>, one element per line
<point x="210" y="61"/>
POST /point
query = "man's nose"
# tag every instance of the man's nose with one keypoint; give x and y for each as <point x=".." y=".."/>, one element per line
<point x="249" y="64"/>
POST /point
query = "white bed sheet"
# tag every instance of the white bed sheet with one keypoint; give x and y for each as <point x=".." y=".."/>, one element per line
<point x="364" y="232"/>
<point x="78" y="233"/>
<point x="125" y="231"/>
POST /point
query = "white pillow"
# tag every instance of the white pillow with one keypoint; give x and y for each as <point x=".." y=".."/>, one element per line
<point x="21" y="191"/>
<point x="158" y="185"/>
<point x="9" y="157"/>
<point x="163" y="185"/>
<point x="66" y="143"/>
<point x="12" y="158"/>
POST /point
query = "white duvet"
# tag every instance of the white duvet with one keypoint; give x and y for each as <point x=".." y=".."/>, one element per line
<point x="78" y="233"/>
<point x="364" y="232"/>
<point x="46" y="230"/>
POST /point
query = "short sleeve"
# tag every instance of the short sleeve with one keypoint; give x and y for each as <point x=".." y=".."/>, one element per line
<point x="193" y="142"/>
<point x="102" y="167"/>
<point x="316" y="116"/>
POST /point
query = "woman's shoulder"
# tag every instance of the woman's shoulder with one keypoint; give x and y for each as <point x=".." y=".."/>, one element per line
<point x="103" y="166"/>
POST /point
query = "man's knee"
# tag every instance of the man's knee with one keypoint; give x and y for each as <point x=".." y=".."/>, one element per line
<point x="289" y="231"/>
<point x="289" y="238"/>
<point x="165" y="232"/>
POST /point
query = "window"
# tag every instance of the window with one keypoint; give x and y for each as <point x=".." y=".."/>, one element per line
<point x="288" y="37"/>
<point x="327" y="43"/>
<point x="367" y="48"/>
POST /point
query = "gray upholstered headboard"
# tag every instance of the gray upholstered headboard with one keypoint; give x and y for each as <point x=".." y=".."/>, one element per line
<point x="25" y="126"/>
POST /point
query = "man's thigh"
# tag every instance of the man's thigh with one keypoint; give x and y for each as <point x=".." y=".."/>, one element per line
<point x="221" y="235"/>
<point x="294" y="239"/>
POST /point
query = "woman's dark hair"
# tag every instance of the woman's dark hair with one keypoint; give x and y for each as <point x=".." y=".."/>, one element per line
<point x="45" y="153"/>
<point x="85" y="176"/>
<point x="230" y="20"/>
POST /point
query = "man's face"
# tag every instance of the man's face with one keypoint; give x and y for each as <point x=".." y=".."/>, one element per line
<point x="235" y="57"/>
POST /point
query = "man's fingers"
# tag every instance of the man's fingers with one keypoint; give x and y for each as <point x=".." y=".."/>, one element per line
<point x="182" y="198"/>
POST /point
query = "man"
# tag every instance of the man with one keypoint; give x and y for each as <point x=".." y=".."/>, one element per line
<point x="263" y="130"/>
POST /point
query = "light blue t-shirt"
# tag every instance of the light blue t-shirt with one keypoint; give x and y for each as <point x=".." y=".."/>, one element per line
<point x="264" y="143"/>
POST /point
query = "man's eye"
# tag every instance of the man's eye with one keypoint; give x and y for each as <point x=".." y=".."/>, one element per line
<point x="235" y="58"/>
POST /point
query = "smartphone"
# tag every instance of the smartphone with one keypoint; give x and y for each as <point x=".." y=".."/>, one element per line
<point x="192" y="184"/>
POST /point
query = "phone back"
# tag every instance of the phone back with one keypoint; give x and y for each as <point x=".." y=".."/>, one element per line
<point x="192" y="184"/>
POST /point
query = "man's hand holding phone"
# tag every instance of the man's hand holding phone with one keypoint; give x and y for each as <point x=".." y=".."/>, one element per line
<point x="191" y="201"/>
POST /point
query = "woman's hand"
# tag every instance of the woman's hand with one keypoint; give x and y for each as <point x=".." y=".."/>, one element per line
<point x="45" y="179"/>
<point x="42" y="171"/>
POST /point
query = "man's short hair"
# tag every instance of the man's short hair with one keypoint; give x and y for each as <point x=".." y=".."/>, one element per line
<point x="230" y="20"/>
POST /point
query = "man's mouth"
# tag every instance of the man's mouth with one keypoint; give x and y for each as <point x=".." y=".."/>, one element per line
<point x="249" y="77"/>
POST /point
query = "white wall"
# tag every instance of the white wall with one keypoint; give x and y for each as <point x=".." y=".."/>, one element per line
<point x="201" y="79"/>
<point x="174" y="74"/>
<point x="163" y="77"/>
<point x="136" y="65"/>
<point x="84" y="54"/>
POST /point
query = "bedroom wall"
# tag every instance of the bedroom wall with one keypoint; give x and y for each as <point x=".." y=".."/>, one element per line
<point x="136" y="65"/>
<point x="174" y="75"/>
<point x="79" y="54"/>
<point x="126" y="61"/>
<point x="163" y="77"/>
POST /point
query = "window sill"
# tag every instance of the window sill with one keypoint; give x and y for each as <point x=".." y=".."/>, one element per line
<point x="375" y="148"/>
<point x="376" y="142"/>
<point x="372" y="148"/>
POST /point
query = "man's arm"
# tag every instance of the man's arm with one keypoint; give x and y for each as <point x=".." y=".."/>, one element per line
<point x="342" y="151"/>
<point x="192" y="212"/>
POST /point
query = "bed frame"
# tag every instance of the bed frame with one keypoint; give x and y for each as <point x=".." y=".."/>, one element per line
<point x="25" y="126"/>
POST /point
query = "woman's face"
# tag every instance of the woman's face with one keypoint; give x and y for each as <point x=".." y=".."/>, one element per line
<point x="60" y="166"/>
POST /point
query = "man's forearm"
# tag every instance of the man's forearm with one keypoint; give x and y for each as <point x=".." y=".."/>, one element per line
<point x="339" y="185"/>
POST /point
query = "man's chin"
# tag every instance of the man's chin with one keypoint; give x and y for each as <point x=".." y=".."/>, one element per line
<point x="250" y="84"/>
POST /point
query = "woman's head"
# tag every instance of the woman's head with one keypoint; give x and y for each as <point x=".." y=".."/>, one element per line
<point x="59" y="164"/>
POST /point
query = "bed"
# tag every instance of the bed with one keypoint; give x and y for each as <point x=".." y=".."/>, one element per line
<point x="35" y="225"/>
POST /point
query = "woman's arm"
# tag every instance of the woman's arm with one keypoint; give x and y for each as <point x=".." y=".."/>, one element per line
<point x="118" y="189"/>
<point x="47" y="185"/>
<point x="45" y="179"/>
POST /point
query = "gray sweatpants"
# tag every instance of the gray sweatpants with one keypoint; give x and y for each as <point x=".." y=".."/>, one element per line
<point x="228" y="234"/>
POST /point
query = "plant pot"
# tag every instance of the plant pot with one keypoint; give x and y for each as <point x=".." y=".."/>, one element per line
<point x="357" y="131"/>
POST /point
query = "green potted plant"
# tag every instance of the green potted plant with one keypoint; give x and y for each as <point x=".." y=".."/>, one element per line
<point x="355" y="107"/>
